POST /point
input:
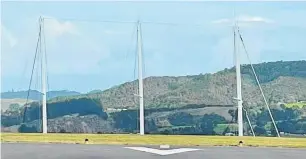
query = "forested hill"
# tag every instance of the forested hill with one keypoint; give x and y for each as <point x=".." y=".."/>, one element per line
<point x="197" y="104"/>
<point x="282" y="82"/>
<point x="272" y="70"/>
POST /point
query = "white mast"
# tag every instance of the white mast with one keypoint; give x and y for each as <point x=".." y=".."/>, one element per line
<point x="238" y="78"/>
<point x="43" y="89"/>
<point x="140" y="80"/>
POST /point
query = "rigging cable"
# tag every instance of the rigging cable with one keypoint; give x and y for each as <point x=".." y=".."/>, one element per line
<point x="132" y="39"/>
<point x="249" y="122"/>
<point x="36" y="51"/>
<point x="37" y="81"/>
<point x="126" y="22"/>
<point x="87" y="20"/>
<point x="134" y="90"/>
<point x="256" y="77"/>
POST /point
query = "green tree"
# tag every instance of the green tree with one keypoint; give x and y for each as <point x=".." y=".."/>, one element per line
<point x="181" y="119"/>
<point x="14" y="107"/>
<point x="234" y="114"/>
<point x="260" y="131"/>
<point x="27" y="129"/>
<point x="209" y="121"/>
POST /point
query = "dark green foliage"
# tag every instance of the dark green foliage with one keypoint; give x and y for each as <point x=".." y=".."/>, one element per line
<point x="234" y="114"/>
<point x="166" y="95"/>
<point x="201" y="77"/>
<point x="9" y="120"/>
<point x="181" y="119"/>
<point x="126" y="120"/>
<point x="260" y="131"/>
<point x="82" y="106"/>
<point x="27" y="129"/>
<point x="300" y="127"/>
<point x="150" y="126"/>
<point x="286" y="114"/>
<point x="173" y="86"/>
<point x="286" y="126"/>
<point x="62" y="131"/>
<point x="188" y="130"/>
<point x="209" y="121"/>
<point x="271" y="70"/>
<point x="286" y="119"/>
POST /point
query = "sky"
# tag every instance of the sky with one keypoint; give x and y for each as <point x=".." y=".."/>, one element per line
<point x="84" y="53"/>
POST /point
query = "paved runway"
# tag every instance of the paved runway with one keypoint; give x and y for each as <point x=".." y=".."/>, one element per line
<point x="73" y="151"/>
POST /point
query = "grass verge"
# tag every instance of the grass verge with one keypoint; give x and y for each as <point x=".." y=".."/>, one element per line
<point x="178" y="140"/>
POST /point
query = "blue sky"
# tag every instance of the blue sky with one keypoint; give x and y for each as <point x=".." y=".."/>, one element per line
<point x="87" y="55"/>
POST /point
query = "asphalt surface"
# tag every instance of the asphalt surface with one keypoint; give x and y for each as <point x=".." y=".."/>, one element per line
<point x="73" y="151"/>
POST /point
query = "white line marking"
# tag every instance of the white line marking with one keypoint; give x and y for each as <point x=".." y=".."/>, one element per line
<point x="162" y="152"/>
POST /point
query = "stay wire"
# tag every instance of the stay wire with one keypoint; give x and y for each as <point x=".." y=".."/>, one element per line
<point x="88" y="20"/>
<point x="29" y="88"/>
<point x="126" y="22"/>
<point x="258" y="83"/>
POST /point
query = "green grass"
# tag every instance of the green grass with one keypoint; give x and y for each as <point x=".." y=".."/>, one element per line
<point x="132" y="139"/>
<point x="220" y="128"/>
<point x="300" y="105"/>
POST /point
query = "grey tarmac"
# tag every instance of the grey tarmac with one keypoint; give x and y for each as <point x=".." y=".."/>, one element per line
<point x="75" y="151"/>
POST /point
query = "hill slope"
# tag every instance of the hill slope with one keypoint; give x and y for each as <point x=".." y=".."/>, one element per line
<point x="187" y="104"/>
<point x="281" y="81"/>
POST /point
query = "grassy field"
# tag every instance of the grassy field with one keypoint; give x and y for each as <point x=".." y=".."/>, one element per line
<point x="300" y="105"/>
<point x="129" y="139"/>
<point x="5" y="103"/>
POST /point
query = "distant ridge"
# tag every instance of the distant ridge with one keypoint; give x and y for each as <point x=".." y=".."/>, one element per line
<point x="36" y="95"/>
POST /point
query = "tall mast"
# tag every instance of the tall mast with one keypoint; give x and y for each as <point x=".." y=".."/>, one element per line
<point x="238" y="78"/>
<point x="43" y="89"/>
<point x="140" y="79"/>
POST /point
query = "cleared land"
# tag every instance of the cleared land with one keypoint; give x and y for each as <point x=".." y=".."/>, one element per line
<point x="300" y="105"/>
<point x="5" y="103"/>
<point x="131" y="139"/>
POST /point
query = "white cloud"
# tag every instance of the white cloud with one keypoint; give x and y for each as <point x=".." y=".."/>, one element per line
<point x="244" y="20"/>
<point x="221" y="21"/>
<point x="56" y="28"/>
<point x="253" y="19"/>
<point x="68" y="51"/>
<point x="9" y="52"/>
<point x="7" y="37"/>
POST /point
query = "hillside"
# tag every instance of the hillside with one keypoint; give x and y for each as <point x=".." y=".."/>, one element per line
<point x="282" y="82"/>
<point x="197" y="104"/>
